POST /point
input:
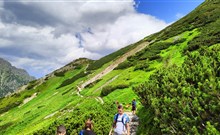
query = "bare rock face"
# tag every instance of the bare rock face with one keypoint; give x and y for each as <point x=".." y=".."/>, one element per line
<point x="11" y="78"/>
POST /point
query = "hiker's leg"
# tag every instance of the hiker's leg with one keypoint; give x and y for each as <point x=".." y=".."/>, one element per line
<point x="115" y="133"/>
<point x="119" y="134"/>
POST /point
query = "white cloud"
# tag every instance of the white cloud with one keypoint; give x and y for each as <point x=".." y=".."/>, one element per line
<point x="34" y="66"/>
<point x="1" y="10"/>
<point x="125" y="30"/>
<point x="1" y="4"/>
<point x="41" y="46"/>
<point x="39" y="49"/>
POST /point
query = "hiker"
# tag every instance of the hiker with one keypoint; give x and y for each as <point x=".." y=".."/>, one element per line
<point x="61" y="130"/>
<point x="88" y="128"/>
<point x="121" y="122"/>
<point x="133" y="107"/>
<point x="116" y="103"/>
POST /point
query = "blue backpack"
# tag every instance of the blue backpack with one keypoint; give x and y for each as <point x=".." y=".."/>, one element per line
<point x="123" y="117"/>
<point x="134" y="103"/>
<point x="81" y="132"/>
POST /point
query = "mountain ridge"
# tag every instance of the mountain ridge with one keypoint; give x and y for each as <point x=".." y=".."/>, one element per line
<point x="12" y="78"/>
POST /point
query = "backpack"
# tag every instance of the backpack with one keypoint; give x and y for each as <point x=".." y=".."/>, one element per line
<point x="124" y="115"/>
<point x="81" y="132"/>
<point x="123" y="122"/>
<point x="134" y="103"/>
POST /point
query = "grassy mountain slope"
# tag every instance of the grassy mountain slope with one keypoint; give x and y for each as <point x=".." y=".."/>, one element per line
<point x="184" y="99"/>
<point x="165" y="77"/>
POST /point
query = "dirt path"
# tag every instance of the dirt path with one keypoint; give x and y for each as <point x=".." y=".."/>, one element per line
<point x="99" y="99"/>
<point x="78" y="91"/>
<point x="115" y="64"/>
<point x="134" y="122"/>
<point x="28" y="99"/>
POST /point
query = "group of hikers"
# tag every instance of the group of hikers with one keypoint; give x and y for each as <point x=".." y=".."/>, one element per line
<point x="120" y="123"/>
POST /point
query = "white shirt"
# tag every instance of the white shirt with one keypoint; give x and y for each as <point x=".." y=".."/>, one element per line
<point x="120" y="127"/>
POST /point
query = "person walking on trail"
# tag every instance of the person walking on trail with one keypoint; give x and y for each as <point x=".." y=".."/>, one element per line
<point x="116" y="103"/>
<point x="121" y="122"/>
<point x="134" y="107"/>
<point x="88" y="128"/>
<point x="61" y="130"/>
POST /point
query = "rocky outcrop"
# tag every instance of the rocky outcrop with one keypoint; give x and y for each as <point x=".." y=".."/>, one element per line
<point x="11" y="78"/>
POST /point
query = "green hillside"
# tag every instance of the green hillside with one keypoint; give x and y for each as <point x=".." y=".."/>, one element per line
<point x="175" y="79"/>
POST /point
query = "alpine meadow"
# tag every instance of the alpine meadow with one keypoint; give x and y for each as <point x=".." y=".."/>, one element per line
<point x="174" y="75"/>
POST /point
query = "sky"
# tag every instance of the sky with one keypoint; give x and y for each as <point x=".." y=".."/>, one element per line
<point x="41" y="36"/>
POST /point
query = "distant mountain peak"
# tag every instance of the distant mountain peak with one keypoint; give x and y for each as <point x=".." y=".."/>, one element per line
<point x="11" y="77"/>
<point x="2" y="61"/>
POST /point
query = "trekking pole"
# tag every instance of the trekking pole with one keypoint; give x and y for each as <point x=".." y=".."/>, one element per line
<point x="110" y="132"/>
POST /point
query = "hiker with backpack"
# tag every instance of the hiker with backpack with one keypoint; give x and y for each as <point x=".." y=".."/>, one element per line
<point x="88" y="128"/>
<point x="121" y="122"/>
<point x="133" y="107"/>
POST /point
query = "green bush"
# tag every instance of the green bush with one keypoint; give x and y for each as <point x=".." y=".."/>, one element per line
<point x="93" y="83"/>
<point x="32" y="84"/>
<point x="27" y="95"/>
<point x="60" y="74"/>
<point x="123" y="65"/>
<point x="10" y="106"/>
<point x="141" y="66"/>
<point x="73" y="79"/>
<point x="108" y="89"/>
<point x="67" y="91"/>
<point x="5" y="126"/>
<point x="210" y="35"/>
<point x="180" y="40"/>
<point x="155" y="57"/>
<point x="78" y="67"/>
<point x="185" y="100"/>
<point x="149" y="69"/>
<point x="101" y="116"/>
<point x="152" y="51"/>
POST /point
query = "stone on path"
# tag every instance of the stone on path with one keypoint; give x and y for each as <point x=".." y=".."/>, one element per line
<point x="134" y="122"/>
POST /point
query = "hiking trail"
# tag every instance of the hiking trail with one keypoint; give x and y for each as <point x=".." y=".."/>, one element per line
<point x="114" y="64"/>
<point x="134" y="122"/>
<point x="99" y="99"/>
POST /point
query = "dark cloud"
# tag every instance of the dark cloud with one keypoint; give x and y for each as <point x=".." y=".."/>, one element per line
<point x="20" y="52"/>
<point x="101" y="18"/>
<point x="18" y="12"/>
